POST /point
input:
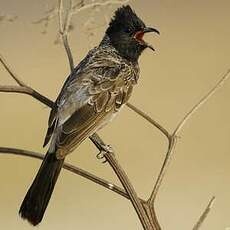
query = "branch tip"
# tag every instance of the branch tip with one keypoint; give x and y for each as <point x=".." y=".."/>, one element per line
<point x="204" y="214"/>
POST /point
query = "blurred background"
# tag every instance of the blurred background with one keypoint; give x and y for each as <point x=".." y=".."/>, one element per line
<point x="191" y="55"/>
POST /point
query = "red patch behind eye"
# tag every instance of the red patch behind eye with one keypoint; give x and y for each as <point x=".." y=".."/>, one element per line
<point x="139" y="35"/>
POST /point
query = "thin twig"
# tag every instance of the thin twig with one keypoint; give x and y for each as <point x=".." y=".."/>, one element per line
<point x="22" y="88"/>
<point x="98" y="4"/>
<point x="63" y="30"/>
<point x="60" y="16"/>
<point x="204" y="214"/>
<point x="68" y="51"/>
<point x="68" y="17"/>
<point x="69" y="167"/>
<point x="203" y="100"/>
<point x="168" y="157"/>
<point x="9" y="70"/>
<point x="149" y="119"/>
<point x="29" y="91"/>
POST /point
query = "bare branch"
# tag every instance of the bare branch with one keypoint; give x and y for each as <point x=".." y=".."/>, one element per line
<point x="29" y="91"/>
<point x="149" y="119"/>
<point x="22" y="88"/>
<point x="68" y="17"/>
<point x="168" y="157"/>
<point x="64" y="24"/>
<point x="69" y="167"/>
<point x="203" y="100"/>
<point x="9" y="70"/>
<point x="15" y="89"/>
<point x="68" y="51"/>
<point x="60" y="16"/>
<point x="173" y="137"/>
<point x="204" y="214"/>
<point x="63" y="30"/>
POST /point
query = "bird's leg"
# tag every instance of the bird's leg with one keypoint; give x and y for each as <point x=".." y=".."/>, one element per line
<point x="101" y="146"/>
<point x="105" y="149"/>
<point x="100" y="156"/>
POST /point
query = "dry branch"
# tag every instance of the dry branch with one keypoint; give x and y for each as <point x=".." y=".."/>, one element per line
<point x="10" y="71"/>
<point x="173" y="137"/>
<point x="69" y="167"/>
<point x="63" y="30"/>
<point x="203" y="100"/>
<point x="204" y="214"/>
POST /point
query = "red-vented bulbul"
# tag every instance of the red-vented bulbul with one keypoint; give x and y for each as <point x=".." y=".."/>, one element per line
<point x="93" y="93"/>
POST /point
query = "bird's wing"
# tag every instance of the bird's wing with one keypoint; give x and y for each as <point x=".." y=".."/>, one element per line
<point x="89" y="100"/>
<point x="87" y="105"/>
<point x="72" y="77"/>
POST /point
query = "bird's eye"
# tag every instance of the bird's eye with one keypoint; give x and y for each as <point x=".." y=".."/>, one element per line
<point x="127" y="30"/>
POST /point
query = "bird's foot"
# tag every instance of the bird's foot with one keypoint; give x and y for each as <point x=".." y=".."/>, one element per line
<point x="105" y="149"/>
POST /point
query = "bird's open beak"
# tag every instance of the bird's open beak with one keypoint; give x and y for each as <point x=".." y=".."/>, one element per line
<point x="140" y="34"/>
<point x="150" y="30"/>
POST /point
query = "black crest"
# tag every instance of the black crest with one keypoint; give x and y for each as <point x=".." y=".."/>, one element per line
<point x="121" y="31"/>
<point x="125" y="18"/>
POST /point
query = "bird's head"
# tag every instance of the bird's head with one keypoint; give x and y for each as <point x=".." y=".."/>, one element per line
<point x="126" y="32"/>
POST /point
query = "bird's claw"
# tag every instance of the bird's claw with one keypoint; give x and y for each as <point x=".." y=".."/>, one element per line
<point x="104" y="149"/>
<point x="107" y="148"/>
<point x="101" y="155"/>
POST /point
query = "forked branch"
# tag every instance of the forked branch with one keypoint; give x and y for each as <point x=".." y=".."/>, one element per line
<point x="22" y="87"/>
<point x="173" y="137"/>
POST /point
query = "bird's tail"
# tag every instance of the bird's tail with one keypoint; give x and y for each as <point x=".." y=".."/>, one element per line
<point x="37" y="198"/>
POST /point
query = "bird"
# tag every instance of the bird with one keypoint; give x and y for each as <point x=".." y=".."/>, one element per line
<point x="91" y="96"/>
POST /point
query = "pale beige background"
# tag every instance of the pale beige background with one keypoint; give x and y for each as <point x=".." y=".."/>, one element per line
<point x="192" y="53"/>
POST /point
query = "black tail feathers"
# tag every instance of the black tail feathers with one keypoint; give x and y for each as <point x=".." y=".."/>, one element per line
<point x="37" y="198"/>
